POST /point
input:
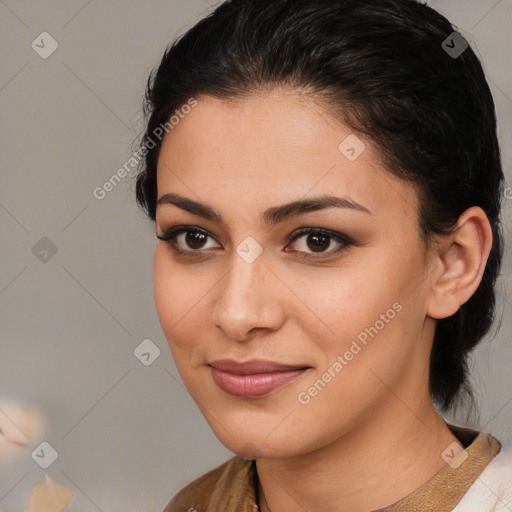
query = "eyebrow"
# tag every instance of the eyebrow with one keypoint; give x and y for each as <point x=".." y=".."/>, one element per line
<point x="271" y="216"/>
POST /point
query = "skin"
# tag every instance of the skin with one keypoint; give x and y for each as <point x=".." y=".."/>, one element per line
<point x="373" y="426"/>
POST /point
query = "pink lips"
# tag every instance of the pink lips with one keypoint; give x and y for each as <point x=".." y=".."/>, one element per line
<point x="252" y="378"/>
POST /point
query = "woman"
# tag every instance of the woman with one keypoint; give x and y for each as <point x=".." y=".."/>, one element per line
<point x="325" y="181"/>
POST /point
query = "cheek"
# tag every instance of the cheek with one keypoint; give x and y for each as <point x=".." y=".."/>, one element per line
<point x="369" y="303"/>
<point x="164" y="287"/>
<point x="345" y="301"/>
<point x="173" y="296"/>
<point x="180" y="304"/>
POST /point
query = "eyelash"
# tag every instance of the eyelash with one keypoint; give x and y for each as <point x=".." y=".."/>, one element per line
<point x="169" y="236"/>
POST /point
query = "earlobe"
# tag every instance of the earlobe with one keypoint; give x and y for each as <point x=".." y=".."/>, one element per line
<point x="461" y="262"/>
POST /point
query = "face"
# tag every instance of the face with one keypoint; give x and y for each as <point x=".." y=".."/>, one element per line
<point x="343" y="306"/>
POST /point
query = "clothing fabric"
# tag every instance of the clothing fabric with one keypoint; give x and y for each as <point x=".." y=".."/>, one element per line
<point x="477" y="480"/>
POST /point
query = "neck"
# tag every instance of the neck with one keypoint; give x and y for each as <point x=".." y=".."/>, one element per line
<point x="372" y="466"/>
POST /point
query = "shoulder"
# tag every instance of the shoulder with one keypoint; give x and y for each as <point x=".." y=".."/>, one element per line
<point x="492" y="489"/>
<point x="197" y="495"/>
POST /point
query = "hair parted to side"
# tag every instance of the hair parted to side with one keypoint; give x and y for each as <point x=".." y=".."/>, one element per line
<point x="379" y="66"/>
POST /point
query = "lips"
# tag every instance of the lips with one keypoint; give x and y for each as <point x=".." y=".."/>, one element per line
<point x="253" y="378"/>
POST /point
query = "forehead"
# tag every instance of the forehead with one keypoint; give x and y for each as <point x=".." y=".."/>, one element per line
<point x="272" y="147"/>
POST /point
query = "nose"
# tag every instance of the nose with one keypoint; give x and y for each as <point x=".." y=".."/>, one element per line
<point x="248" y="299"/>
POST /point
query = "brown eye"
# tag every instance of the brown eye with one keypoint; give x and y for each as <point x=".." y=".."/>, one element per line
<point x="183" y="239"/>
<point x="319" y="240"/>
<point x="318" y="243"/>
<point x="190" y="241"/>
<point x="195" y="239"/>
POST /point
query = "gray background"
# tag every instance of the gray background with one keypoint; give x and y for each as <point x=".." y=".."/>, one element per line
<point x="128" y="435"/>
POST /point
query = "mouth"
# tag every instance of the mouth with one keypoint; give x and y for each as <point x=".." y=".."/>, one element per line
<point x="253" y="378"/>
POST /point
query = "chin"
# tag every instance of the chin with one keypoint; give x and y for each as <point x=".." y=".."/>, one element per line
<point x="251" y="442"/>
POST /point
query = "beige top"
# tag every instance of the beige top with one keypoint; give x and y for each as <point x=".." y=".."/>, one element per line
<point x="232" y="487"/>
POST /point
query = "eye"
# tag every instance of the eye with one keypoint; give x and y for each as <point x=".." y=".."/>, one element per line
<point x="318" y="240"/>
<point x="193" y="237"/>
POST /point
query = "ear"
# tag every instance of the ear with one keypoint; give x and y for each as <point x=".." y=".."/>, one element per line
<point x="460" y="263"/>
